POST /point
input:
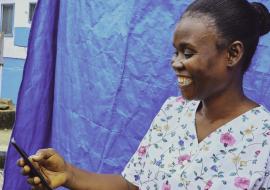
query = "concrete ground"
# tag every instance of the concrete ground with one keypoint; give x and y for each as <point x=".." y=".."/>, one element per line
<point x="4" y="140"/>
<point x="1" y="178"/>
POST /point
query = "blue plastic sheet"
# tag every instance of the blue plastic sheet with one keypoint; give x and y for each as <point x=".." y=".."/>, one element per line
<point x="96" y="74"/>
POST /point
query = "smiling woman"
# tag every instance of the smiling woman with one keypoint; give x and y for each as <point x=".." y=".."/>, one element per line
<point x="200" y="66"/>
<point x="214" y="137"/>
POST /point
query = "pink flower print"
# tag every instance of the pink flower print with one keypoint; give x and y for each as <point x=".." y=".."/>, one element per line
<point x="257" y="152"/>
<point x="184" y="158"/>
<point x="166" y="186"/>
<point x="208" y="185"/>
<point x="268" y="133"/>
<point x="241" y="182"/>
<point x="142" y="150"/>
<point x="180" y="99"/>
<point x="227" y="139"/>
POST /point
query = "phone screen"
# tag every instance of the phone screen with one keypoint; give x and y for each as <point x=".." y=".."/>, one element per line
<point x="33" y="171"/>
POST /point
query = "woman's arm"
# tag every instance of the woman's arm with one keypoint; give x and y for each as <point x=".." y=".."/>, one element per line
<point x="83" y="180"/>
<point x="59" y="173"/>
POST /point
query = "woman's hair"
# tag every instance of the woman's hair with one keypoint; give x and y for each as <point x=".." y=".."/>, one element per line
<point x="235" y="20"/>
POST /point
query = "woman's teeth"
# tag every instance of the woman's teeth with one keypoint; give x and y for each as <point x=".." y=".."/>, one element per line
<point x="184" y="81"/>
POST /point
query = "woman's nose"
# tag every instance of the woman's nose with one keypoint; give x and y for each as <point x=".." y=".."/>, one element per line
<point x="177" y="64"/>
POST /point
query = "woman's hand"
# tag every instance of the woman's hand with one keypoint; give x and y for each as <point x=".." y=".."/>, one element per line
<point x="50" y="164"/>
<point x="59" y="173"/>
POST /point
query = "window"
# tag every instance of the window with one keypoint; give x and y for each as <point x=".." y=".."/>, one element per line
<point x="32" y="7"/>
<point x="7" y="19"/>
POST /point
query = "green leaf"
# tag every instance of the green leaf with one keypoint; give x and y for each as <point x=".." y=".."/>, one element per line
<point x="223" y="151"/>
<point x="233" y="174"/>
<point x="232" y="150"/>
<point x="172" y="170"/>
<point x="199" y="160"/>
<point x="264" y="143"/>
<point x="180" y="185"/>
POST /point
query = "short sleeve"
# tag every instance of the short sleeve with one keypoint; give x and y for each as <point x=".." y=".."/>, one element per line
<point x="135" y="168"/>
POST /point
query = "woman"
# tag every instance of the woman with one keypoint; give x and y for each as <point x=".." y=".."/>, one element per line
<point x="212" y="138"/>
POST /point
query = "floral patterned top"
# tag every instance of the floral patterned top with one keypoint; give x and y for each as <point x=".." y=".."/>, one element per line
<point x="235" y="156"/>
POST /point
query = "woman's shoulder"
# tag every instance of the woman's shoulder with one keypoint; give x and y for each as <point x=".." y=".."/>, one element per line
<point x="179" y="103"/>
<point x="180" y="100"/>
<point x="264" y="109"/>
<point x="261" y="112"/>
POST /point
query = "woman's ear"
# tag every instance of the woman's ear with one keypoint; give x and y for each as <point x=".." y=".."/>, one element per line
<point x="235" y="53"/>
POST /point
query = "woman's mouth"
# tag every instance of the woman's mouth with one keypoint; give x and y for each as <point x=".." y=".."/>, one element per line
<point x="184" y="81"/>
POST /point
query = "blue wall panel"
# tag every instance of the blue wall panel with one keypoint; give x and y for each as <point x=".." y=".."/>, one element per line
<point x="12" y="76"/>
<point x="21" y="36"/>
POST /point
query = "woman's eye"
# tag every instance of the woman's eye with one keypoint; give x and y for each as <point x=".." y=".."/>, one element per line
<point x="188" y="53"/>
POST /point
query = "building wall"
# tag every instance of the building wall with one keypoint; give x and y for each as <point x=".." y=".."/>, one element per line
<point x="15" y="49"/>
<point x="21" y="24"/>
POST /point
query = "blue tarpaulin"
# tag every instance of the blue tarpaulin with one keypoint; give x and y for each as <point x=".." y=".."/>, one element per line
<point x="96" y="74"/>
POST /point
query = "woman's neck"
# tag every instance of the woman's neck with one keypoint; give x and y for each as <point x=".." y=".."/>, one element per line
<point x="228" y="104"/>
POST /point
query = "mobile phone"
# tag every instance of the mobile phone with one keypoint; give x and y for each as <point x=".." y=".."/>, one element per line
<point x="33" y="171"/>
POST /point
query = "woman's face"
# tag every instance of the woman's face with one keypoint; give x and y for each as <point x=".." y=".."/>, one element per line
<point x="201" y="68"/>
